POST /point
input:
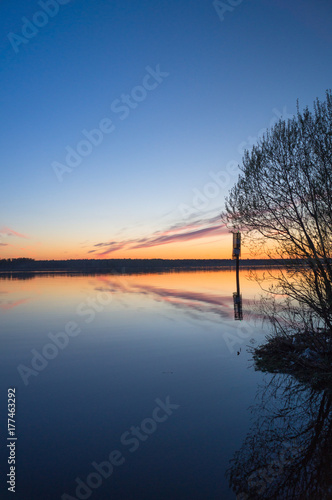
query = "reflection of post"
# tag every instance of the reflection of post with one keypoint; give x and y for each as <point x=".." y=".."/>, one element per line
<point x="238" y="275"/>
<point x="237" y="298"/>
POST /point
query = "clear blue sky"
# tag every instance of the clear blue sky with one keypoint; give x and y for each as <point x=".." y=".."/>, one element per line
<point x="227" y="80"/>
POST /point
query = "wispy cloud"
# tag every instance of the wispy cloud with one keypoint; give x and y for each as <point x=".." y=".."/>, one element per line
<point x="175" y="237"/>
<point x="113" y="247"/>
<point x="178" y="232"/>
<point x="105" y="244"/>
<point x="7" y="231"/>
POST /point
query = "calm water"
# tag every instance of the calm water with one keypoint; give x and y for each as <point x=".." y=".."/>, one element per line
<point x="147" y="376"/>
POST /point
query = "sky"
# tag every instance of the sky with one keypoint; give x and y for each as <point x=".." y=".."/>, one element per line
<point x="124" y="122"/>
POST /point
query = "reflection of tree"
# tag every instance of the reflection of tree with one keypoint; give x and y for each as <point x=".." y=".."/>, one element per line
<point x="287" y="453"/>
<point x="17" y="276"/>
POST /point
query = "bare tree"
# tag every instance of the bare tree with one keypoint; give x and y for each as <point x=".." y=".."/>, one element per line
<point x="283" y="202"/>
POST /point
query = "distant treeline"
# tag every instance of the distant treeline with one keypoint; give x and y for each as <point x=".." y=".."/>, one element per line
<point x="127" y="266"/>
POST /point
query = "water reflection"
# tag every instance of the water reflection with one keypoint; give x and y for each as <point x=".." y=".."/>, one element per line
<point x="7" y="304"/>
<point x="287" y="453"/>
<point x="137" y="348"/>
<point x="17" y="276"/>
<point x="201" y="302"/>
<point x="201" y="295"/>
<point x="237" y="297"/>
<point x="237" y="300"/>
<point x="238" y="312"/>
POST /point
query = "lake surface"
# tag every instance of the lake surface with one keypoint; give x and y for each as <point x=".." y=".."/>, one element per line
<point x="128" y="387"/>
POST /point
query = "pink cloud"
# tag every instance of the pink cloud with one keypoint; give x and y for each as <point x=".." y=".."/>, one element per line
<point x="176" y="233"/>
<point x="187" y="236"/>
<point x="7" y="231"/>
<point x="113" y="247"/>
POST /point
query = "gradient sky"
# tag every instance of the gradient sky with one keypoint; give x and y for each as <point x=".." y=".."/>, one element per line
<point x="149" y="188"/>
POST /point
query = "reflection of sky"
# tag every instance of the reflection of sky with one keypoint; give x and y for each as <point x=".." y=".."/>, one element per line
<point x="197" y="294"/>
<point x="6" y="305"/>
<point x="206" y="303"/>
<point x="204" y="293"/>
<point x="140" y="346"/>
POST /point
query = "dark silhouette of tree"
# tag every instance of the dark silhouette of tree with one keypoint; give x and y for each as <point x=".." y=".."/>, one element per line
<point x="282" y="202"/>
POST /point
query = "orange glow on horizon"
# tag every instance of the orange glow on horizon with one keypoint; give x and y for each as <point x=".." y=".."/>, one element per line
<point x="207" y="247"/>
<point x="170" y="251"/>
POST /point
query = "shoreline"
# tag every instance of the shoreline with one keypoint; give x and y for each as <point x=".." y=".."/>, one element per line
<point x="298" y="355"/>
<point x="130" y="266"/>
